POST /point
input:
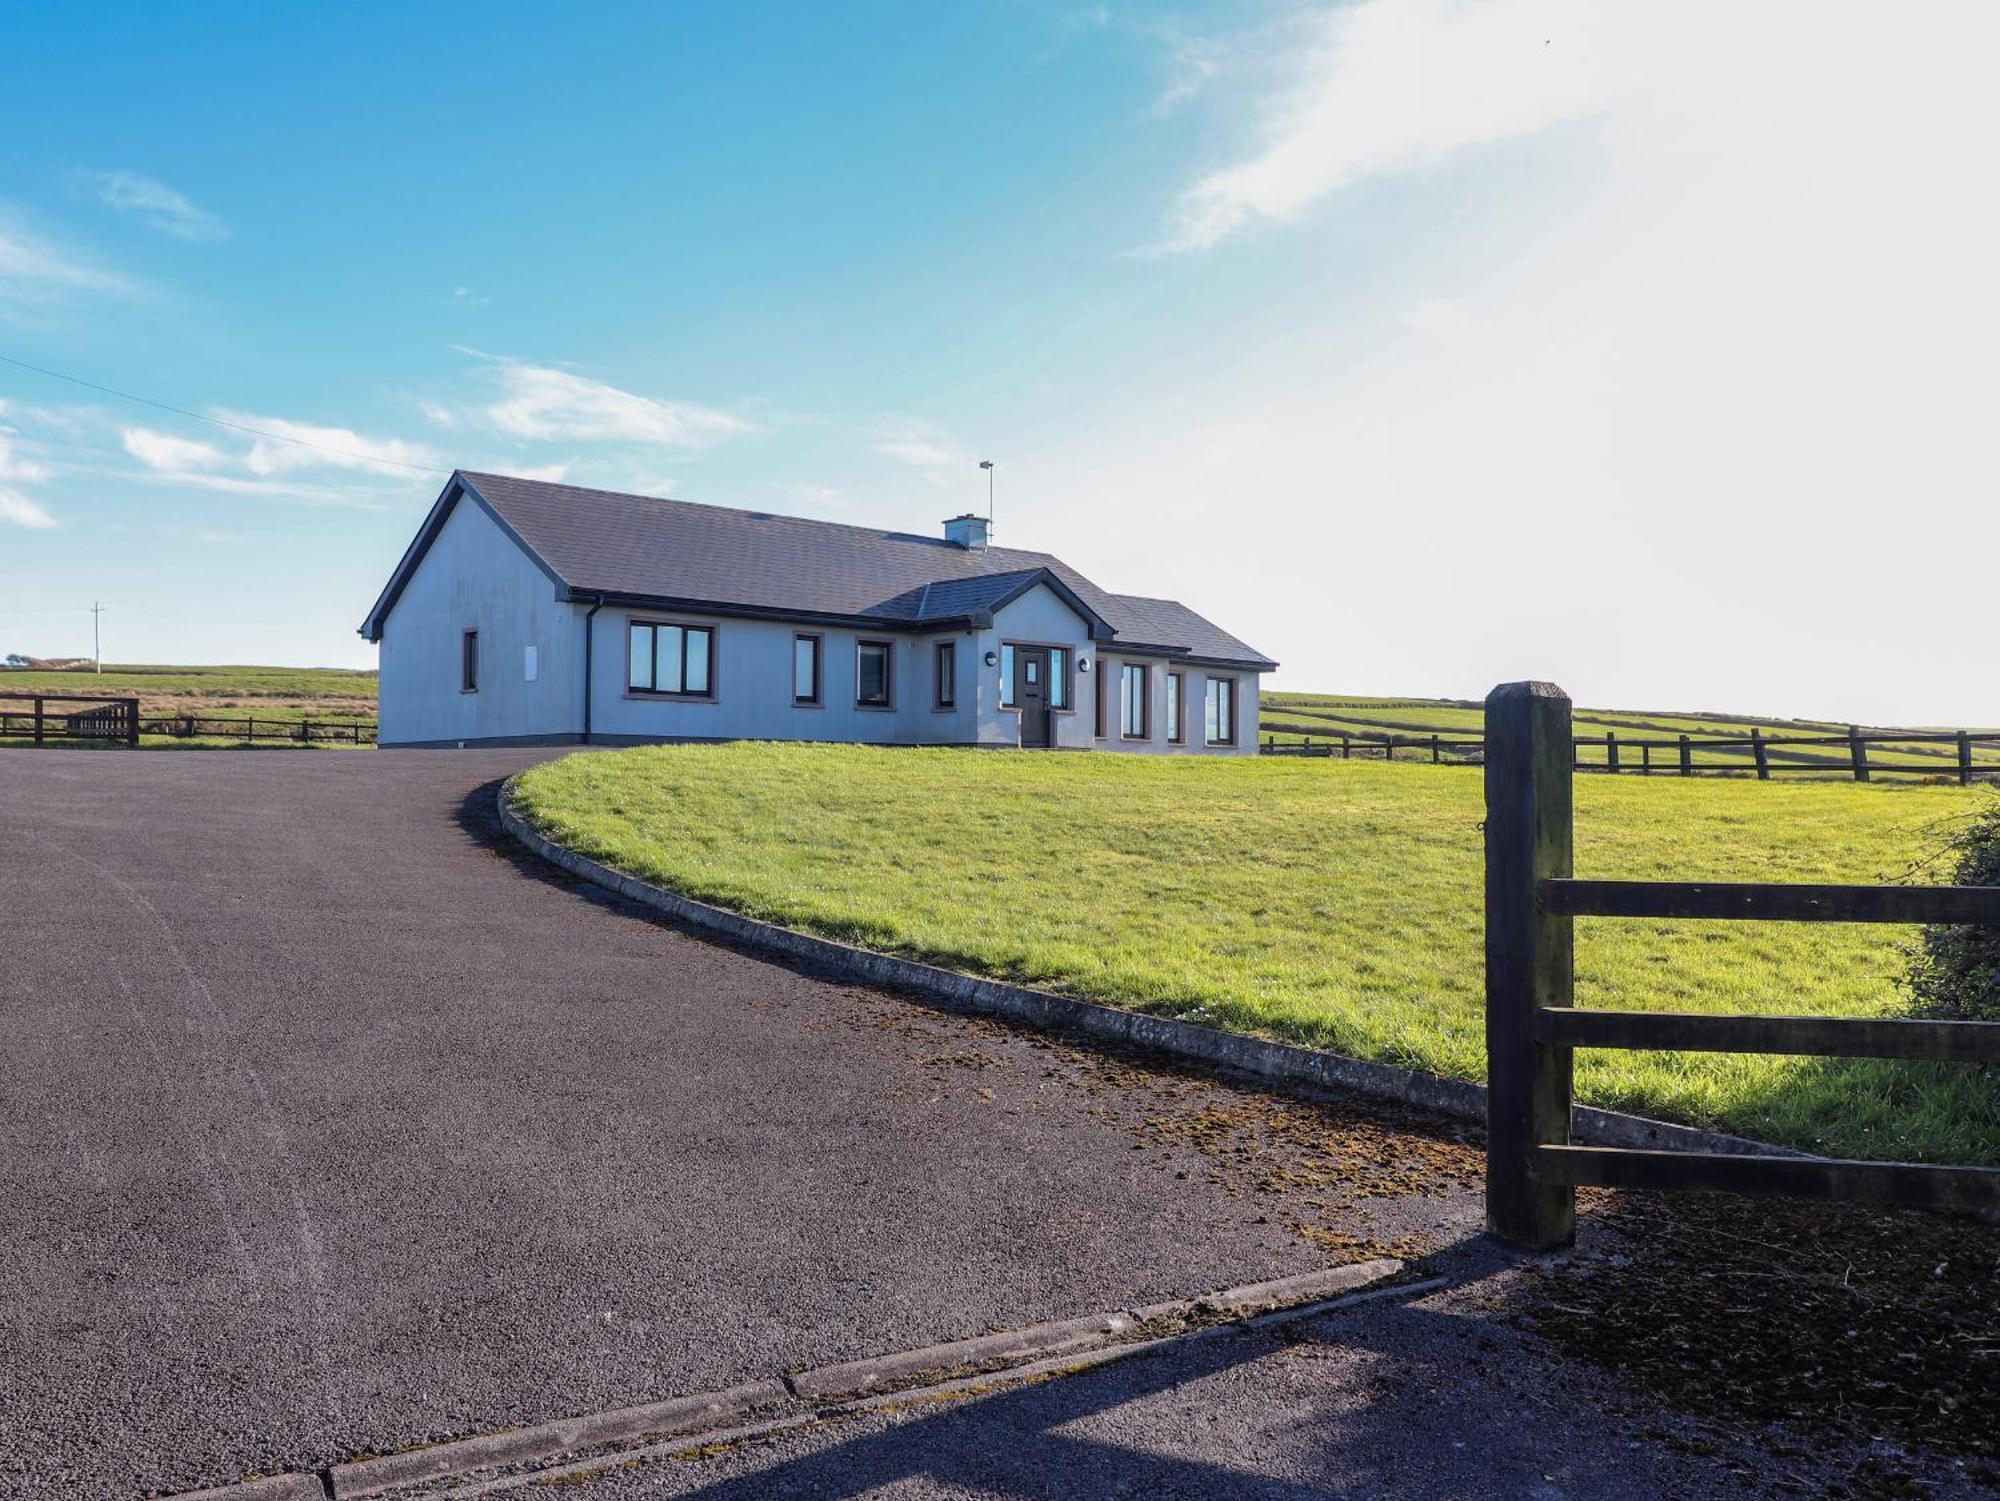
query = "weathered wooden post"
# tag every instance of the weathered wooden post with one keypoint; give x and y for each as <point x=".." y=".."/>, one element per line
<point x="1530" y="960"/>
<point x="1645" y="758"/>
<point x="1611" y="749"/>
<point x="131" y="721"/>
<point x="1388" y="747"/>
<point x="1437" y="751"/>
<point x="38" y="721"/>
<point x="1346" y="748"/>
<point x="1687" y="758"/>
<point x="1857" y="750"/>
<point x="1761" y="752"/>
<point x="1964" y="759"/>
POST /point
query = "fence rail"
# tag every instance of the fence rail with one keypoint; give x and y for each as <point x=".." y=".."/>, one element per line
<point x="1755" y="754"/>
<point x="1533" y="1027"/>
<point x="249" y="727"/>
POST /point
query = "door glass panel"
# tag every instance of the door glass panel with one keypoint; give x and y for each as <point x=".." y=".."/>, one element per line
<point x="1033" y="669"/>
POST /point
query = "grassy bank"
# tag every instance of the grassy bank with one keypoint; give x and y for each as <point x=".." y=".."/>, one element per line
<point x="1336" y="904"/>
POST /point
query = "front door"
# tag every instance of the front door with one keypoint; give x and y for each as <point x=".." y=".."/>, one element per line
<point x="1031" y="694"/>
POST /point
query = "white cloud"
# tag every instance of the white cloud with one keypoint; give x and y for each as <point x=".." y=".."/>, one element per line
<point x="554" y="474"/>
<point x="542" y="402"/>
<point x="166" y="209"/>
<point x="316" y="447"/>
<point x="14" y="467"/>
<point x="31" y="266"/>
<point x="21" y="511"/>
<point x="466" y="297"/>
<point x="940" y="460"/>
<point x="164" y="451"/>
<point x="1392" y="86"/>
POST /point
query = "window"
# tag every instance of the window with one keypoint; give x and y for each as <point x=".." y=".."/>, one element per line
<point x="805" y="669"/>
<point x="531" y="665"/>
<point x="947" y="674"/>
<point x="1058" y="677"/>
<point x="1103" y="688"/>
<point x="1176" y="729"/>
<point x="1221" y="711"/>
<point x="871" y="674"/>
<point x="671" y="659"/>
<point x="468" y="662"/>
<point x="1006" y="677"/>
<point x="1132" y="701"/>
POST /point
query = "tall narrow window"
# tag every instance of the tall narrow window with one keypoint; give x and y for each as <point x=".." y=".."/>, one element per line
<point x="871" y="674"/>
<point x="1103" y="691"/>
<point x="947" y="674"/>
<point x="1132" y="701"/>
<point x="468" y="662"/>
<point x="805" y="669"/>
<point x="1058" y="677"/>
<point x="1176" y="729"/>
<point x="671" y="659"/>
<point x="1221" y="711"/>
<point x="1006" y="676"/>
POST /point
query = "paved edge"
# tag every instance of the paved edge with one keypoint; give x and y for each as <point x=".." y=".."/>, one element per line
<point x="1061" y="1344"/>
<point x="1284" y="1066"/>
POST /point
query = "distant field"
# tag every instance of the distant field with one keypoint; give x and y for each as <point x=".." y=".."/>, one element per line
<point x="1332" y="903"/>
<point x="1292" y="717"/>
<point x="287" y="694"/>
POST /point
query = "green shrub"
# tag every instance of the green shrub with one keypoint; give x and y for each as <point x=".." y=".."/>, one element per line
<point x="1955" y="972"/>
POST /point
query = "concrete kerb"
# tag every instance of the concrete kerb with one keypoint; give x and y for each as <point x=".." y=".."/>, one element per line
<point x="594" y="1439"/>
<point x="1285" y="1067"/>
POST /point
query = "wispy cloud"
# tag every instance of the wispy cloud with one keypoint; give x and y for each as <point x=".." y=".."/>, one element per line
<point x="547" y="403"/>
<point x="15" y="467"/>
<point x="166" y="209"/>
<point x="32" y="266"/>
<point x="1394" y="86"/>
<point x="466" y="297"/>
<point x="315" y="447"/>
<point x="21" y="511"/>
<point x="169" y="454"/>
<point x="939" y="459"/>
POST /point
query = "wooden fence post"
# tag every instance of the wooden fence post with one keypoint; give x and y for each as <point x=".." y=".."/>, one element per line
<point x="1530" y="960"/>
<point x="1761" y="752"/>
<point x="1346" y="748"/>
<point x="1857" y="749"/>
<point x="1437" y="751"/>
<point x="1611" y="749"/>
<point x="131" y="721"/>
<point x="1687" y="758"/>
<point x="1964" y="759"/>
<point x="38" y="721"/>
<point x="1388" y="747"/>
<point x="1646" y="758"/>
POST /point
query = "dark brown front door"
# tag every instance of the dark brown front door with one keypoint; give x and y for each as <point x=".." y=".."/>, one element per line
<point x="1031" y="693"/>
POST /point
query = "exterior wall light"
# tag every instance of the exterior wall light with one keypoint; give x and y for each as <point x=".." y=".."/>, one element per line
<point x="993" y="659"/>
<point x="1083" y="664"/>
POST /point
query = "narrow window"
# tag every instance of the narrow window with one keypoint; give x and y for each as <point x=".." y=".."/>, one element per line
<point x="468" y="662"/>
<point x="947" y="674"/>
<point x="1221" y="711"/>
<point x="1103" y="691"/>
<point x="531" y="665"/>
<point x="805" y="669"/>
<point x="871" y="674"/>
<point x="1058" y="677"/>
<point x="1006" y="677"/>
<point x="1132" y="701"/>
<point x="673" y="659"/>
<point x="1175" y="729"/>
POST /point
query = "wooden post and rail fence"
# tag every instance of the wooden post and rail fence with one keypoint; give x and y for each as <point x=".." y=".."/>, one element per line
<point x="1533" y="1027"/>
<point x="1857" y="753"/>
<point x="119" y="720"/>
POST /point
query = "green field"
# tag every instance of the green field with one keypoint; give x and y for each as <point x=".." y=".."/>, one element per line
<point x="281" y="694"/>
<point x="1332" y="903"/>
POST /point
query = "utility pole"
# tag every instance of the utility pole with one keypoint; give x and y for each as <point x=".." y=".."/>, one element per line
<point x="97" y="636"/>
<point x="987" y="465"/>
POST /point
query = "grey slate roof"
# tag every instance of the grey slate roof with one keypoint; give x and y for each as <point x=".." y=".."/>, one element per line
<point x="642" y="548"/>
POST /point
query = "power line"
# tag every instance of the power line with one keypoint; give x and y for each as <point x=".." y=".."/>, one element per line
<point x="255" y="432"/>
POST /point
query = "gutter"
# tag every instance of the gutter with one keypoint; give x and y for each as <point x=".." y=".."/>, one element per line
<point x="589" y="678"/>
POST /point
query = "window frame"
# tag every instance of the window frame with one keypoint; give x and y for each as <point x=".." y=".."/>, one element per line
<point x="1176" y="708"/>
<point x="652" y="625"/>
<point x="1142" y="697"/>
<point x="818" y="699"/>
<point x="944" y="670"/>
<point x="888" y="699"/>
<point x="1229" y="694"/>
<point x="468" y="660"/>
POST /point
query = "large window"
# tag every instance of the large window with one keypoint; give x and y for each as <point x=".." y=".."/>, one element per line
<point x="1058" y="677"/>
<point x="674" y="659"/>
<point x="871" y="674"/>
<point x="947" y="674"/>
<point x="1176" y="726"/>
<point x="1132" y="701"/>
<point x="1221" y="711"/>
<point x="468" y="662"/>
<point x="805" y="669"/>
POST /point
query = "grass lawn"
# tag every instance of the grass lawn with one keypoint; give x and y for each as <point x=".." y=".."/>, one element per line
<point x="1331" y="903"/>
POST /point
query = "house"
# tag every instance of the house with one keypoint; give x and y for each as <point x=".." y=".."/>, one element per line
<point x="529" y="613"/>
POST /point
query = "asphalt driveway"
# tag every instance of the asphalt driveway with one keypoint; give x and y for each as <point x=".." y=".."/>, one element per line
<point x="329" y="1126"/>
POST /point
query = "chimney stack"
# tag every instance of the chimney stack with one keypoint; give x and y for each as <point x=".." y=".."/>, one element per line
<point x="967" y="531"/>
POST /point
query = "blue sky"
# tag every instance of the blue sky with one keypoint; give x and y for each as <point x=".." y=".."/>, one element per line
<point x="1420" y="344"/>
